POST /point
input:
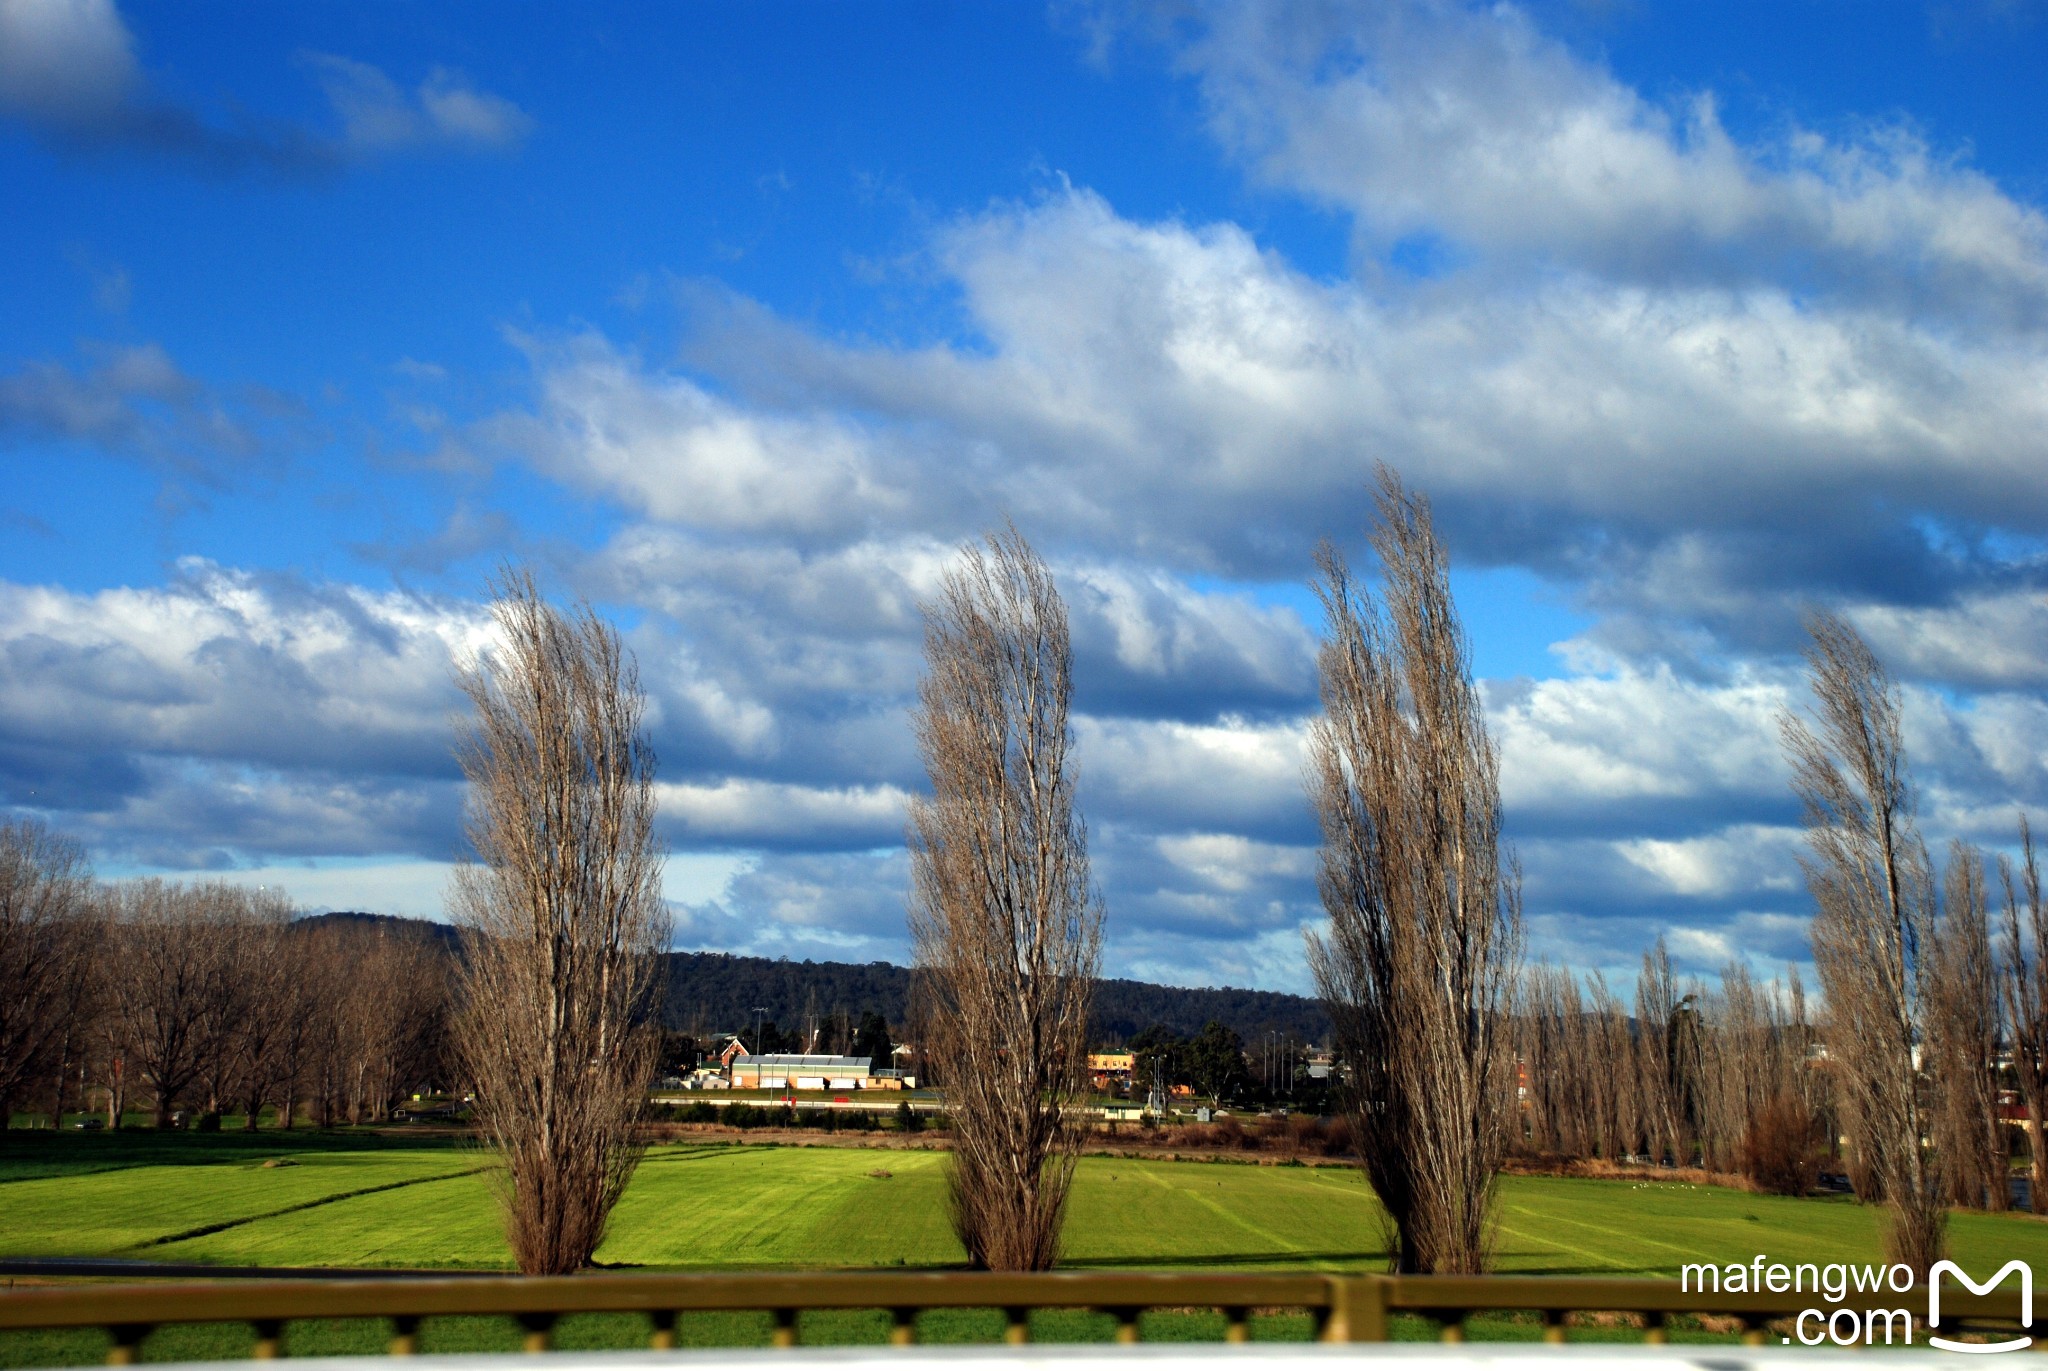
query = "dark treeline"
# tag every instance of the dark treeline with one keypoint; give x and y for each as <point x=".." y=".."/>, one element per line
<point x="206" y="998"/>
<point x="716" y="992"/>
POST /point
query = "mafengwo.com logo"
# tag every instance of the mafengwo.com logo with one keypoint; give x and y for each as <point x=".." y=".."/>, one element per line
<point x="1866" y="1322"/>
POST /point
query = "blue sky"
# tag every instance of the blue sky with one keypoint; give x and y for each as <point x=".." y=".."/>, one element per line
<point x="737" y="319"/>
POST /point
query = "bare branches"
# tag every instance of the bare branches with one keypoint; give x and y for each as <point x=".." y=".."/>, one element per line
<point x="1869" y="875"/>
<point x="1005" y="921"/>
<point x="44" y="890"/>
<point x="2025" y="985"/>
<point x="1963" y="1035"/>
<point x="1425" y="922"/>
<point x="565" y="913"/>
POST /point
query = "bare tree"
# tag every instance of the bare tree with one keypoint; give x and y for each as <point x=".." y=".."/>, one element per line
<point x="264" y="977"/>
<point x="1425" y="919"/>
<point x="1660" y="1043"/>
<point x="2026" y="999"/>
<point x="80" y="995"/>
<point x="1609" y="1052"/>
<point x="1869" y="875"/>
<point x="163" y="965"/>
<point x="1578" y="1066"/>
<point x="565" y="918"/>
<point x="1963" y="1038"/>
<point x="1005" y="920"/>
<point x="44" y="884"/>
<point x="390" y="1026"/>
<point x="220" y="917"/>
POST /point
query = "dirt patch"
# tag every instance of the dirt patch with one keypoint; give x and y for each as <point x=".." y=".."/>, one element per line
<point x="1598" y="1170"/>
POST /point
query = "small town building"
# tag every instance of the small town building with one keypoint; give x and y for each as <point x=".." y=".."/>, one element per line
<point x="810" y="1071"/>
<point x="1110" y="1071"/>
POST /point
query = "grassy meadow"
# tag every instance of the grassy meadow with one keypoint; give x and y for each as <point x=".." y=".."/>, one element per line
<point x="339" y="1199"/>
<point x="427" y="1202"/>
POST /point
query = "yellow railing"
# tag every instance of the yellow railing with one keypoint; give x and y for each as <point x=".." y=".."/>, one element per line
<point x="1344" y="1308"/>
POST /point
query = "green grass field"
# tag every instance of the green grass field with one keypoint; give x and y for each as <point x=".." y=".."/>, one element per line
<point x="357" y="1200"/>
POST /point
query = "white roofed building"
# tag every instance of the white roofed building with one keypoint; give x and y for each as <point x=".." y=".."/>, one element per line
<point x="809" y="1071"/>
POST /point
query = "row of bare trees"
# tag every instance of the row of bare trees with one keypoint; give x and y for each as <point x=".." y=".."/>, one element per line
<point x="208" y="998"/>
<point x="1737" y="1077"/>
<point x="1935" y="996"/>
<point x="1722" y="1078"/>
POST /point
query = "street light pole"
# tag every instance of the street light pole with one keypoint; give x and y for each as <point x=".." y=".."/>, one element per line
<point x="759" y="1010"/>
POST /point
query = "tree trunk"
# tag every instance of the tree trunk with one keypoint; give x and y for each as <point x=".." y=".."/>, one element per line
<point x="2037" y="1161"/>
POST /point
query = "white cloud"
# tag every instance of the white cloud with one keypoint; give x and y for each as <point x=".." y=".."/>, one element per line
<point x="1435" y="118"/>
<point x="231" y="712"/>
<point x="1742" y="859"/>
<point x="1630" y="376"/>
<point x="70" y="63"/>
<point x="68" y="69"/>
<point x="1637" y="738"/>
<point x="374" y="885"/>
<point x="1232" y="863"/>
<point x="754" y="813"/>
<point x="1701" y="945"/>
<point x="378" y="116"/>
<point x="134" y="401"/>
<point x="236" y="666"/>
<point x="1232" y="775"/>
<point x="1179" y="395"/>
<point x="682" y="456"/>
<point x="1989" y="640"/>
<point x="839" y="906"/>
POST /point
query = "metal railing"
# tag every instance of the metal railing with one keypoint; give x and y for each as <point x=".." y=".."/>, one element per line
<point x="1343" y="1308"/>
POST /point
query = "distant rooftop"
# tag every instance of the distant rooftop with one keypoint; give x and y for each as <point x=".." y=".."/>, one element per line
<point x="796" y="1060"/>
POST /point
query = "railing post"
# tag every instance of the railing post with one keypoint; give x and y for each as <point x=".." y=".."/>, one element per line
<point x="1754" y="1334"/>
<point x="405" y="1336"/>
<point x="127" y="1348"/>
<point x="1358" y="1309"/>
<point x="1126" y="1317"/>
<point x="1454" y="1326"/>
<point x="1553" y="1325"/>
<point x="662" y="1336"/>
<point x="269" y="1340"/>
<point x="1018" y="1330"/>
<point x="1657" y="1329"/>
<point x="903" y="1328"/>
<point x="785" y="1329"/>
<point x="540" y="1331"/>
<point x="1236" y="1327"/>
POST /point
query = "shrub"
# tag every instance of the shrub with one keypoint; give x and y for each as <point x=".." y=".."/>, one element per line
<point x="1781" y="1148"/>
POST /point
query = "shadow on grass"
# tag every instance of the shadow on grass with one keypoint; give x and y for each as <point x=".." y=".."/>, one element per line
<point x="207" y="1230"/>
<point x="41" y="1154"/>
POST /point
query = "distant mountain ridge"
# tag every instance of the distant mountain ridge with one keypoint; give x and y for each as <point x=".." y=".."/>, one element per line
<point x="719" y="992"/>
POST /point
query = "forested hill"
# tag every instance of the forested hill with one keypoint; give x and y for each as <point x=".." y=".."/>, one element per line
<point x="716" y="992"/>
